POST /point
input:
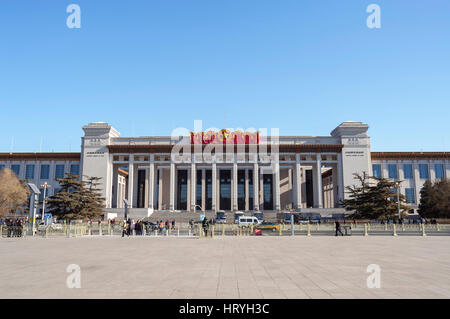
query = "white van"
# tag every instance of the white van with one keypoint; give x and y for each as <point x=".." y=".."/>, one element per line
<point x="248" y="220"/>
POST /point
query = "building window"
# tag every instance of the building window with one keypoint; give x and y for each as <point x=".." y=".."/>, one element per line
<point x="423" y="171"/>
<point x="407" y="171"/>
<point x="29" y="172"/>
<point x="16" y="169"/>
<point x="410" y="196"/>
<point x="1" y="167"/>
<point x="376" y="170"/>
<point x="75" y="169"/>
<point x="392" y="171"/>
<point x="59" y="172"/>
<point x="41" y="195"/>
<point x="45" y="171"/>
<point x="439" y="170"/>
<point x="393" y="198"/>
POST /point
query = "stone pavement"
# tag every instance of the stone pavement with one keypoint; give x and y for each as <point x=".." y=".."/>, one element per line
<point x="230" y="267"/>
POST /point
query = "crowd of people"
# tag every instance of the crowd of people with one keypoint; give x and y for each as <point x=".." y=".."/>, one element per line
<point x="129" y="227"/>
<point x="139" y="228"/>
<point x="14" y="227"/>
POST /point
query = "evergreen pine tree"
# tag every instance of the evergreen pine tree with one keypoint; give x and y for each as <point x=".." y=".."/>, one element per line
<point x="435" y="199"/>
<point x="77" y="199"/>
<point x="375" y="198"/>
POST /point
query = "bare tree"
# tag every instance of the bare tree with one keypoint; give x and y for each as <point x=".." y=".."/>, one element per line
<point x="13" y="194"/>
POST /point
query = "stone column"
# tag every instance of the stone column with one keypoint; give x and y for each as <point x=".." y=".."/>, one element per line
<point x="247" y="207"/>
<point x="255" y="186"/>
<point x="203" y="189"/>
<point x="340" y="178"/>
<point x="193" y="184"/>
<point x="214" y="186"/>
<point x="432" y="169"/>
<point x="160" y="188"/>
<point x="319" y="188"/>
<point x="172" y="187"/>
<point x="261" y="187"/>
<point x="298" y="183"/>
<point x="131" y="181"/>
<point x="151" y="182"/>
<point x="234" y="199"/>
<point x="417" y="183"/>
<point x="276" y="174"/>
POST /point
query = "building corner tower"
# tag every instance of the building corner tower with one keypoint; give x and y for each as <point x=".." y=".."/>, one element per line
<point x="95" y="159"/>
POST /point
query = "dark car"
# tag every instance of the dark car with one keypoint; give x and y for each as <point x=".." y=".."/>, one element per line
<point x="151" y="227"/>
<point x="221" y="217"/>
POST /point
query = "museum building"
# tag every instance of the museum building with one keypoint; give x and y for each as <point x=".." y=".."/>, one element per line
<point x="229" y="170"/>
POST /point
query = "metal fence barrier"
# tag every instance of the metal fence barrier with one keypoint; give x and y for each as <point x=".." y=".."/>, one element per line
<point x="220" y="230"/>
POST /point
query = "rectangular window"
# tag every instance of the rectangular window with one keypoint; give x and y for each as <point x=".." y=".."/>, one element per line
<point x="393" y="198"/>
<point x="376" y="170"/>
<point x="59" y="172"/>
<point x="423" y="171"/>
<point x="16" y="169"/>
<point x="392" y="171"/>
<point x="439" y="170"/>
<point x="29" y="172"/>
<point x="407" y="171"/>
<point x="409" y="194"/>
<point x="1" y="167"/>
<point x="41" y="195"/>
<point x="75" y="169"/>
<point x="45" y="171"/>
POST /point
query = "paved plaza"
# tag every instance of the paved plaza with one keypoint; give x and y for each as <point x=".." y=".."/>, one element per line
<point x="229" y="267"/>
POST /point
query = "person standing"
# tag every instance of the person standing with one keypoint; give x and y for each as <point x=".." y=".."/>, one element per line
<point x="124" y="228"/>
<point x="205" y="225"/>
<point x="191" y="225"/>
<point x="167" y="224"/>
<point x="338" y="228"/>
<point x="129" y="227"/>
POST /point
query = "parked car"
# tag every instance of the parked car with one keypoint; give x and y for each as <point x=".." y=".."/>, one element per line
<point x="221" y="217"/>
<point x="260" y="216"/>
<point x="151" y="226"/>
<point x="267" y="225"/>
<point x="237" y="215"/>
<point x="248" y="220"/>
<point x="52" y="226"/>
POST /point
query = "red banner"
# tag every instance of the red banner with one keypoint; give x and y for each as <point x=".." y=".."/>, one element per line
<point x="225" y="137"/>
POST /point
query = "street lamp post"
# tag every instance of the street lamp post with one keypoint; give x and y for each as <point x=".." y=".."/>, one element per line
<point x="45" y="186"/>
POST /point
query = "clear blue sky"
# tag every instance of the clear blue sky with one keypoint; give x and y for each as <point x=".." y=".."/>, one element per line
<point x="149" y="66"/>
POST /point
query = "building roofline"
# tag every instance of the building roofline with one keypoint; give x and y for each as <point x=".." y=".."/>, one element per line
<point x="410" y="155"/>
<point x="116" y="149"/>
<point x="40" y="156"/>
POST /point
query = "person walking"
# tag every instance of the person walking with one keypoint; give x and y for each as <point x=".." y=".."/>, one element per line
<point x="167" y="224"/>
<point x="124" y="228"/>
<point x="338" y="228"/>
<point x="205" y="225"/>
<point x="129" y="222"/>
<point x="173" y="224"/>
<point x="19" y="228"/>
<point x="191" y="225"/>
